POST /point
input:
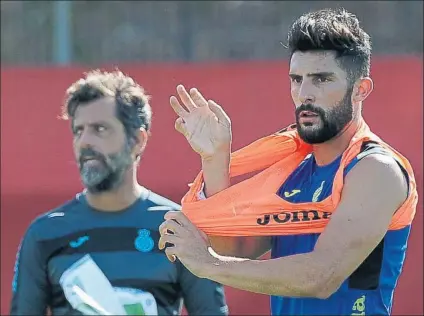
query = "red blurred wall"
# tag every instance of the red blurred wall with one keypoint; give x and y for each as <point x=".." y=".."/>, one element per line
<point x="38" y="173"/>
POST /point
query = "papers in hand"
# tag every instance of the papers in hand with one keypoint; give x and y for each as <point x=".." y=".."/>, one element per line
<point x="88" y="290"/>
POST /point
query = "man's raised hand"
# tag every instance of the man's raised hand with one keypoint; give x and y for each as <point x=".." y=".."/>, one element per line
<point x="205" y="125"/>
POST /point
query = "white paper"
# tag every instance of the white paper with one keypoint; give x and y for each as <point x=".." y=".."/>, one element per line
<point x="137" y="302"/>
<point x="88" y="290"/>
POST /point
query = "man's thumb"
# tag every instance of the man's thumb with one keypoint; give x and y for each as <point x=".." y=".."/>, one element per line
<point x="180" y="126"/>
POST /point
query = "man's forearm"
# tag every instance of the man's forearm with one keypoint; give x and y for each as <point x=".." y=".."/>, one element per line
<point x="216" y="176"/>
<point x="295" y="276"/>
<point x="216" y="173"/>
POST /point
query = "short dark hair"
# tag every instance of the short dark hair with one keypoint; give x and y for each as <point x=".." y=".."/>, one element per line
<point x="132" y="103"/>
<point x="333" y="30"/>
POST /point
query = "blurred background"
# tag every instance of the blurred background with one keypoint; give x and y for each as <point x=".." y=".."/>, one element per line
<point x="93" y="32"/>
<point x="231" y="50"/>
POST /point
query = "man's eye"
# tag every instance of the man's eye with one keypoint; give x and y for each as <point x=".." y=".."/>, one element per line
<point x="322" y="79"/>
<point x="100" y="128"/>
<point x="77" y="131"/>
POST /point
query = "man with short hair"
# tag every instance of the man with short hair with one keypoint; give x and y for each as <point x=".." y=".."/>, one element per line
<point x="335" y="203"/>
<point x="115" y="220"/>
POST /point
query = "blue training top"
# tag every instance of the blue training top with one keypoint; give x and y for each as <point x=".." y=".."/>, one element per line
<point x="124" y="245"/>
<point x="369" y="290"/>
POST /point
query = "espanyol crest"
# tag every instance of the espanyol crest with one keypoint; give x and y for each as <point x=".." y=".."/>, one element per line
<point x="144" y="242"/>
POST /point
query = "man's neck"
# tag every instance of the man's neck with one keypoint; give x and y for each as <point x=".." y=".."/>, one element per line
<point x="116" y="200"/>
<point x="327" y="152"/>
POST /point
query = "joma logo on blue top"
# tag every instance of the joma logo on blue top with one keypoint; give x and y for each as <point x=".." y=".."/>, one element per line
<point x="79" y="242"/>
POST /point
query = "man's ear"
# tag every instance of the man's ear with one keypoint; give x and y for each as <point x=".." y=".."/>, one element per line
<point x="363" y="88"/>
<point x="141" y="137"/>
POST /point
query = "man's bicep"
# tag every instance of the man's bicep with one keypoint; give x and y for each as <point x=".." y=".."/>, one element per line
<point x="30" y="287"/>
<point x="202" y="296"/>
<point x="374" y="189"/>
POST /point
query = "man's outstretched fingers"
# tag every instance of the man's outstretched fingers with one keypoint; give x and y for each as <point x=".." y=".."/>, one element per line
<point x="219" y="112"/>
<point x="178" y="108"/>
<point x="186" y="98"/>
<point x="198" y="98"/>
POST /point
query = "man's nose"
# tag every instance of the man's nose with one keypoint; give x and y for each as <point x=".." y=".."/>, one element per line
<point x="307" y="93"/>
<point x="86" y="140"/>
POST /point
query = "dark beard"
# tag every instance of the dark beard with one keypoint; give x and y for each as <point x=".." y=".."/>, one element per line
<point x="110" y="174"/>
<point x="112" y="181"/>
<point x="333" y="121"/>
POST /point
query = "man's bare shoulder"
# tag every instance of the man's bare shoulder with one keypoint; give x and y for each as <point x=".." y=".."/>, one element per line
<point x="378" y="174"/>
<point x="381" y="165"/>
